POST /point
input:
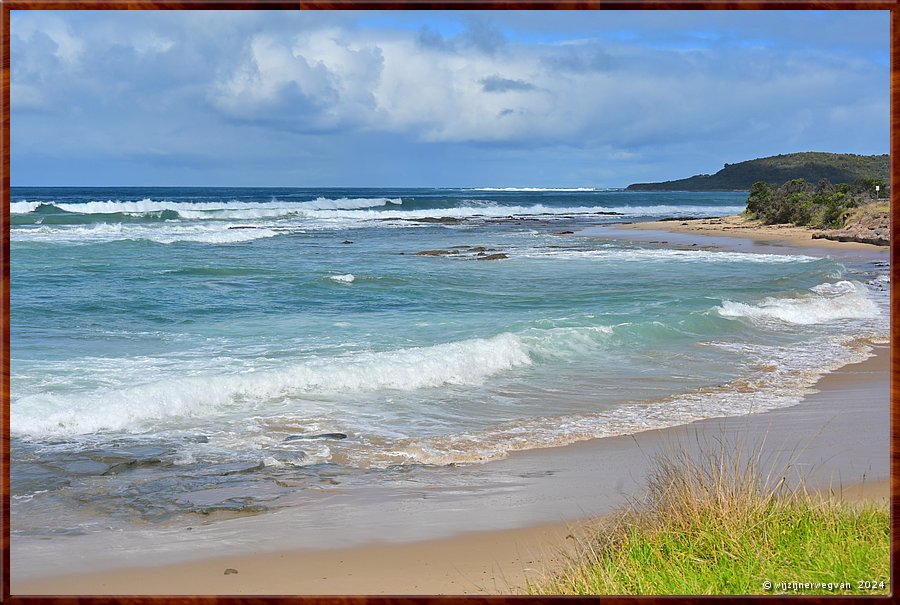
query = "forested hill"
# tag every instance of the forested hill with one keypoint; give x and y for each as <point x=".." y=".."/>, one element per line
<point x="778" y="169"/>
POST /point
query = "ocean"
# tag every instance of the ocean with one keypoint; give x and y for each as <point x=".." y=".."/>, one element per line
<point x="186" y="353"/>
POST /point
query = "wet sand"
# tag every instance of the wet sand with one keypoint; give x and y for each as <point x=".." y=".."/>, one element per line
<point x="511" y="522"/>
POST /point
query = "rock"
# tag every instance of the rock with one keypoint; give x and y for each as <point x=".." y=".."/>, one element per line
<point x="230" y="571"/>
<point x="483" y="256"/>
<point x="435" y="219"/>
<point x="436" y="252"/>
<point x="849" y="236"/>
<point x="866" y="227"/>
<point x="317" y="436"/>
<point x="346" y="241"/>
<point x="564" y="233"/>
<point x="115" y="469"/>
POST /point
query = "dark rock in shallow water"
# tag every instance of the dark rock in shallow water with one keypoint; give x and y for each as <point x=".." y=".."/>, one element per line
<point x="86" y="467"/>
<point x="317" y="436"/>
<point x="435" y="219"/>
<point x="436" y="252"/>
<point x="115" y="469"/>
<point x="237" y="468"/>
<point x="483" y="256"/>
<point x="564" y="233"/>
<point x="346" y="241"/>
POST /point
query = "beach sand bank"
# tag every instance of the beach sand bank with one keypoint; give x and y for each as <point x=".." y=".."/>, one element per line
<point x="738" y="226"/>
<point x="836" y="439"/>
<point x="737" y="234"/>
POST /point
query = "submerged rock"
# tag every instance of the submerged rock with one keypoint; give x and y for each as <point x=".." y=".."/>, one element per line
<point x="115" y="469"/>
<point x="317" y="436"/>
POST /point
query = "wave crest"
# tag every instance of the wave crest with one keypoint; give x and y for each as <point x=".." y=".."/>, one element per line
<point x="828" y="302"/>
<point x="467" y="362"/>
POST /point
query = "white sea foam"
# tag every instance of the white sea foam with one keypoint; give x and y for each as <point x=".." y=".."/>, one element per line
<point x="23" y="207"/>
<point x="494" y="211"/>
<point x="828" y="302"/>
<point x="347" y="278"/>
<point x="200" y="210"/>
<point x="614" y="254"/>
<point x="135" y="408"/>
<point x="792" y="379"/>
<point x="222" y="233"/>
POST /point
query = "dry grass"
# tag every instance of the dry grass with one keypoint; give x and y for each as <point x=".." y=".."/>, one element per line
<point x="713" y="523"/>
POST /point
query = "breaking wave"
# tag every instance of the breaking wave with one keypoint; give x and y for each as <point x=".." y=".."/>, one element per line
<point x="825" y="303"/>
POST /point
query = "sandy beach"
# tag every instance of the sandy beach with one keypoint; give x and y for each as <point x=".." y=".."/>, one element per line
<point x="741" y="227"/>
<point x="837" y="440"/>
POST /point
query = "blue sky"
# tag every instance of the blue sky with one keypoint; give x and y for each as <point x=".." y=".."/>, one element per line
<point x="436" y="98"/>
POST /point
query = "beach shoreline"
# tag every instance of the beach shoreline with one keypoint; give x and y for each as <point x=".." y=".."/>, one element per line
<point x="845" y="450"/>
<point x="836" y="448"/>
<point x="736" y="233"/>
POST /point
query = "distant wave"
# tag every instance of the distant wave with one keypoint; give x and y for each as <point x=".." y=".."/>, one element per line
<point x="199" y="210"/>
<point x="538" y="189"/>
<point x="168" y="234"/>
<point x="347" y="278"/>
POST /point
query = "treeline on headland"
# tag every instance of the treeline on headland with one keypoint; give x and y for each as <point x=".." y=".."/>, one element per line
<point x="776" y="170"/>
<point x="823" y="205"/>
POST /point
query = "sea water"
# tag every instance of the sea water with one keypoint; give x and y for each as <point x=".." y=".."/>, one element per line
<point x="182" y="352"/>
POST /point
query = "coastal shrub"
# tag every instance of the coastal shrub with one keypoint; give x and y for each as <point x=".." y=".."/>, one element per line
<point x="714" y="525"/>
<point x="798" y="202"/>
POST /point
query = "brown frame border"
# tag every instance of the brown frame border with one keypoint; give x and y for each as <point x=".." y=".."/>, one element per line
<point x="8" y="5"/>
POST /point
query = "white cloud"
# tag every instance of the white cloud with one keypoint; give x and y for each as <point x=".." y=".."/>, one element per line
<point x="453" y="92"/>
<point x="68" y="46"/>
<point x="341" y="84"/>
<point x="151" y="43"/>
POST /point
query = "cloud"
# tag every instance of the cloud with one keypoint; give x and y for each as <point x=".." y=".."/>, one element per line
<point x="500" y="84"/>
<point x="636" y="86"/>
<point x="316" y="81"/>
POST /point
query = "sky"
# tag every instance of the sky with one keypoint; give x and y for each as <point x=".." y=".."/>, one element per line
<point x="436" y="98"/>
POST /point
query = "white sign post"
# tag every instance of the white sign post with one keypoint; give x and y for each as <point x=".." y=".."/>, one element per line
<point x="877" y="187"/>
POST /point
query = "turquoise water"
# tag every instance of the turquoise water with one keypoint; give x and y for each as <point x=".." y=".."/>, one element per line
<point x="171" y="343"/>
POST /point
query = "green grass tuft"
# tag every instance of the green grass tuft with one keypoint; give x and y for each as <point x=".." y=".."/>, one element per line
<point x="715" y="526"/>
